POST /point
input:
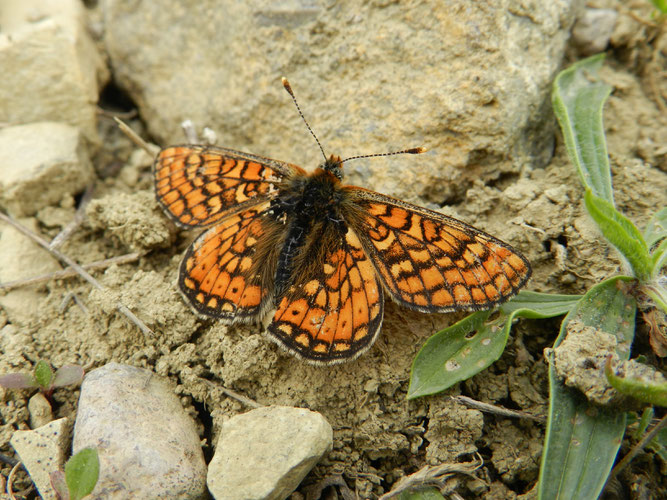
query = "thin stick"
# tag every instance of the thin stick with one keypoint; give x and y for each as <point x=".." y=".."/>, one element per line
<point x="496" y="410"/>
<point x="10" y="480"/>
<point x="151" y="149"/>
<point x="235" y="395"/>
<point x="82" y="272"/>
<point x="69" y="272"/>
<point x="648" y="437"/>
<point x="77" y="220"/>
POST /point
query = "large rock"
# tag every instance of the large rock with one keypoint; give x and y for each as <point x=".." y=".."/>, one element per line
<point x="51" y="69"/>
<point x="41" y="164"/>
<point x="265" y="453"/>
<point x="148" y="446"/>
<point x="370" y="76"/>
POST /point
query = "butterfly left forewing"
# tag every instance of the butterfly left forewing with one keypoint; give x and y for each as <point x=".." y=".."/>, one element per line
<point x="430" y="262"/>
<point x="332" y="310"/>
<point x="200" y="185"/>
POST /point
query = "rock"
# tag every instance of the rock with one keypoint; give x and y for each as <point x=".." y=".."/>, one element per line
<point x="40" y="410"/>
<point x="51" y="68"/>
<point x="148" y="446"/>
<point x="593" y="29"/>
<point x="42" y="452"/>
<point x="265" y="453"/>
<point x="40" y="165"/>
<point x="135" y="220"/>
<point x="21" y="258"/>
<point x="446" y="71"/>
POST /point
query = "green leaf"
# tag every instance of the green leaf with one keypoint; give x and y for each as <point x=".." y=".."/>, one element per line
<point x="582" y="439"/>
<point x="656" y="229"/>
<point x="82" y="472"/>
<point x="43" y="374"/>
<point x="471" y="345"/>
<point x="621" y="233"/>
<point x="540" y="305"/>
<point x="577" y="100"/>
<point x="421" y="494"/>
<point x="648" y="392"/>
<point x="438" y="364"/>
<point x="661" y="5"/>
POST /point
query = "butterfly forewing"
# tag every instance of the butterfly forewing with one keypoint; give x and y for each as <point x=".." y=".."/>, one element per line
<point x="334" y="312"/>
<point x="431" y="262"/>
<point x="200" y="185"/>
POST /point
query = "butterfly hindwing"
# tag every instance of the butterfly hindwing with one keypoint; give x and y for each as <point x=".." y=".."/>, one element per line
<point x="200" y="185"/>
<point x="333" y="312"/>
<point x="434" y="263"/>
<point x="226" y="272"/>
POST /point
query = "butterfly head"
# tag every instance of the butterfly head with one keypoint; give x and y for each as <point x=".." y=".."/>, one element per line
<point x="334" y="165"/>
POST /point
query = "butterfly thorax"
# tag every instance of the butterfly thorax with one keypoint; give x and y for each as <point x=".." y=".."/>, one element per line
<point x="310" y="208"/>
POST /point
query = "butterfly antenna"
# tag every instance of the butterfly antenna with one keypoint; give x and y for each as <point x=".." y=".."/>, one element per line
<point x="289" y="90"/>
<point x="411" y="151"/>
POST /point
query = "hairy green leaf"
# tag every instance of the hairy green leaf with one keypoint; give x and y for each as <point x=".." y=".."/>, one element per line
<point x="578" y="98"/>
<point x="621" y="233"/>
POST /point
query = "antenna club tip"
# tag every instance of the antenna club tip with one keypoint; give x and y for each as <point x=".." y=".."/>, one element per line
<point x="417" y="151"/>
<point x="286" y="84"/>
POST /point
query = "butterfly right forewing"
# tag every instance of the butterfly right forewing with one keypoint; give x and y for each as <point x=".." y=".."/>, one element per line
<point x="430" y="262"/>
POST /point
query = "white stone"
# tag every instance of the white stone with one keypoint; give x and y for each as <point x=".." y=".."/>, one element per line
<point x="41" y="164"/>
<point x="265" y="453"/>
<point x="51" y="68"/>
<point x="148" y="446"/>
<point x="42" y="452"/>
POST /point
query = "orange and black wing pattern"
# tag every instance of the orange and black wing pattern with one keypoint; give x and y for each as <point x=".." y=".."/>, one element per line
<point x="433" y="263"/>
<point x="201" y="185"/>
<point x="333" y="312"/>
<point x="224" y="271"/>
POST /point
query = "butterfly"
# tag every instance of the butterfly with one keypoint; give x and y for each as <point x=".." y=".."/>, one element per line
<point x="319" y="254"/>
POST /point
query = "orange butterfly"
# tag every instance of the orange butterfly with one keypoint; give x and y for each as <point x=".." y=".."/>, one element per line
<point x="321" y="253"/>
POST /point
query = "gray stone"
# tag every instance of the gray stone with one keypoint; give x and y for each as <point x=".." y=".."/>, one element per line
<point x="41" y="164"/>
<point x="593" y="29"/>
<point x="51" y="69"/>
<point x="265" y="453"/>
<point x="40" y="410"/>
<point x="148" y="446"/>
<point x="42" y="452"/>
<point x="444" y="75"/>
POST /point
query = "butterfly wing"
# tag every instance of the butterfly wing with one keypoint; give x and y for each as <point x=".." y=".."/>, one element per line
<point x="200" y="185"/>
<point x="430" y="262"/>
<point x="228" y="271"/>
<point x="332" y="311"/>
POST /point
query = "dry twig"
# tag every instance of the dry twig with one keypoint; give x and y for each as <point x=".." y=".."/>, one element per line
<point x="235" y="395"/>
<point x="496" y="410"/>
<point x="69" y="272"/>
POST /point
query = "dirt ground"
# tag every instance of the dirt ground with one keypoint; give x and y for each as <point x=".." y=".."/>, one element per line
<point x="378" y="435"/>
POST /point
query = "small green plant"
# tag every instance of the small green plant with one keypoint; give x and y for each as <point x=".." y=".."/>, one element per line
<point x="80" y="477"/>
<point x="582" y="438"/>
<point x="43" y="378"/>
